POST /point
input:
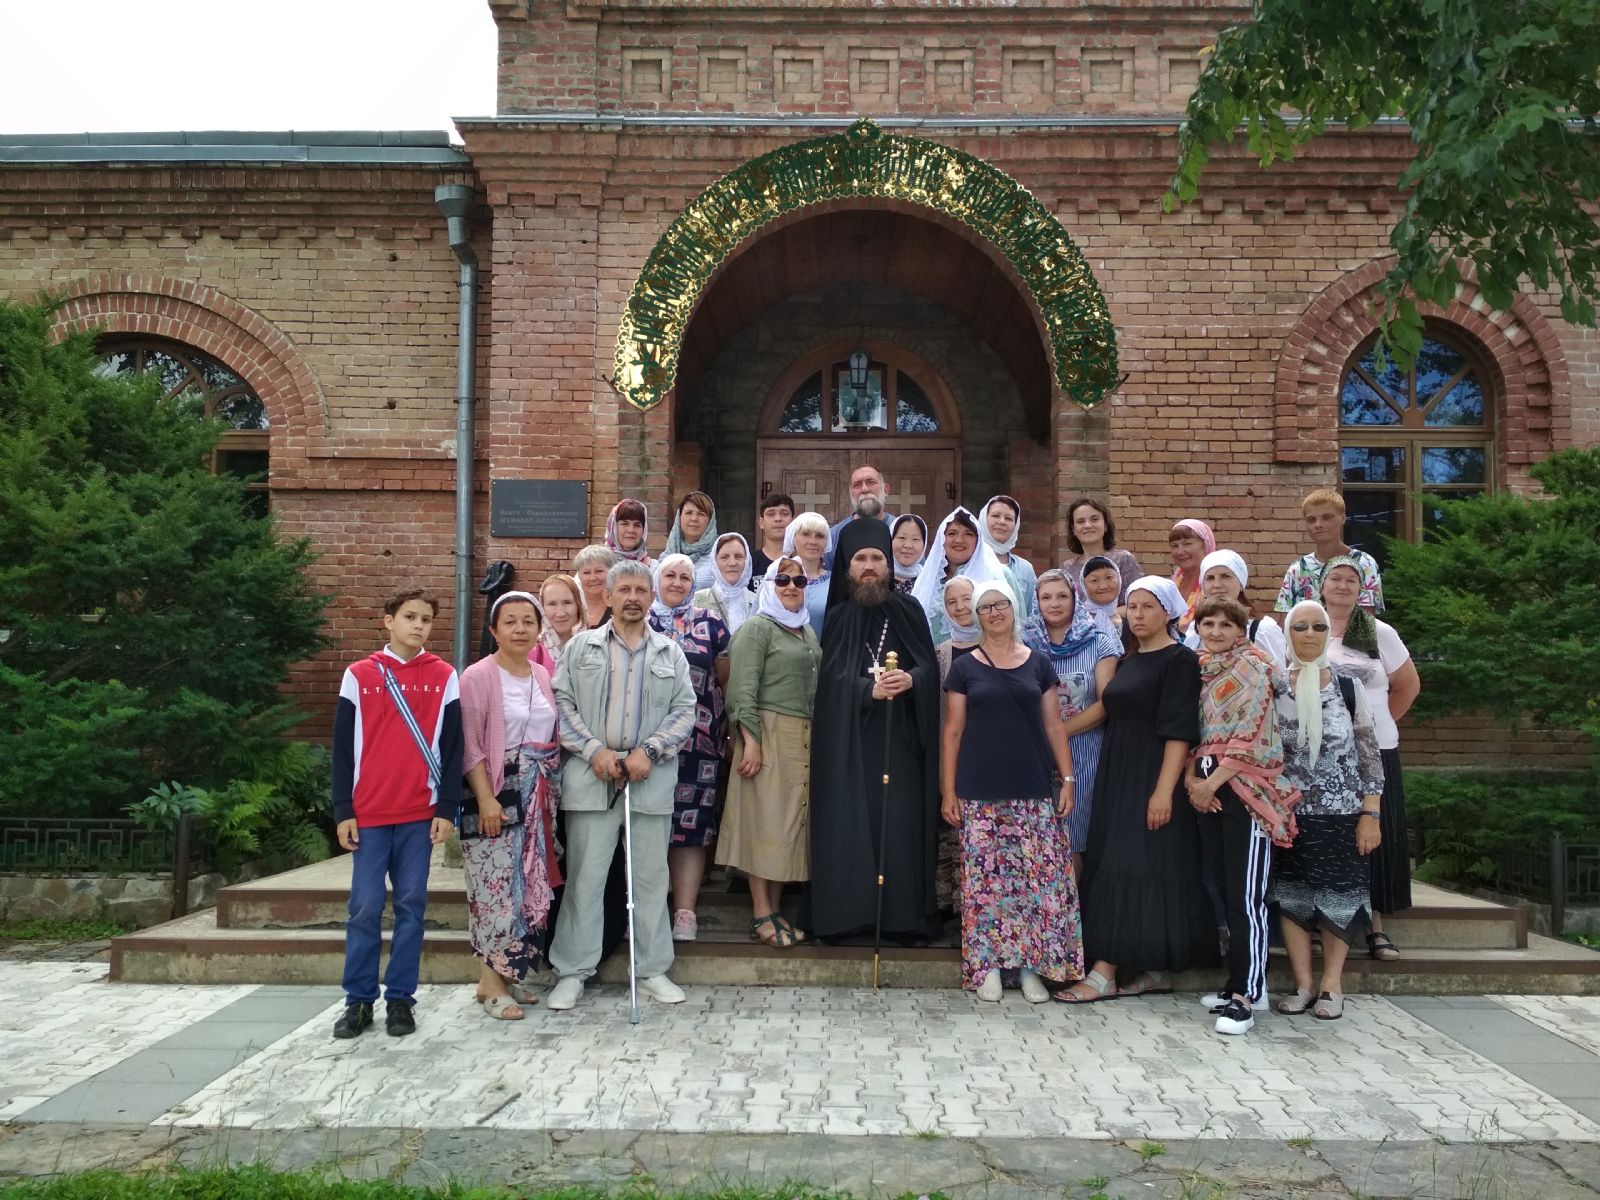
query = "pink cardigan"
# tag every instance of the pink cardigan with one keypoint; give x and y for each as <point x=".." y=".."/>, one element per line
<point x="483" y="725"/>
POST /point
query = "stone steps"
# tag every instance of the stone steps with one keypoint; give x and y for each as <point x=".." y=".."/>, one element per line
<point x="287" y="929"/>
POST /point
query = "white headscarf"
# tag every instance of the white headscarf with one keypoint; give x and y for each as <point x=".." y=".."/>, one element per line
<point x="965" y="634"/>
<point x="1164" y="590"/>
<point x="735" y="597"/>
<point x="768" y="604"/>
<point x="1105" y="615"/>
<point x="993" y="588"/>
<point x="1232" y="561"/>
<point x="981" y="567"/>
<point x="1308" y="680"/>
<point x="660" y="607"/>
<point x="529" y="597"/>
<point x="1010" y="544"/>
<point x="915" y="568"/>
<point x="810" y="518"/>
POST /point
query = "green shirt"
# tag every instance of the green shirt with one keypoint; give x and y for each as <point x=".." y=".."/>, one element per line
<point x="770" y="668"/>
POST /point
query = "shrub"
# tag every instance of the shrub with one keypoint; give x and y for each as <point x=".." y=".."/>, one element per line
<point x="1469" y="821"/>
<point x="149" y="618"/>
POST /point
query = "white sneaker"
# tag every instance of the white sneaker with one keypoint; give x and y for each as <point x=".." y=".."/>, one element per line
<point x="989" y="989"/>
<point x="1033" y="988"/>
<point x="1235" y="1019"/>
<point x="659" y="987"/>
<point x="1215" y="1002"/>
<point x="566" y="993"/>
<point x="685" y="926"/>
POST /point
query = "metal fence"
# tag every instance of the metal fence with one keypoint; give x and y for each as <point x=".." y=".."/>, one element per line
<point x="103" y="846"/>
<point x="1565" y="873"/>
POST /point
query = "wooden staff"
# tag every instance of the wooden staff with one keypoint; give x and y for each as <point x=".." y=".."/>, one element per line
<point x="891" y="662"/>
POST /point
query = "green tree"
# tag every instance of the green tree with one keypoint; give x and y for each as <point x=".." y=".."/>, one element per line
<point x="147" y="619"/>
<point x="1500" y="610"/>
<point x="1501" y="99"/>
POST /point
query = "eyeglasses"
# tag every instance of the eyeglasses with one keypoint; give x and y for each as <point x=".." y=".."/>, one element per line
<point x="1302" y="627"/>
<point x="994" y="606"/>
<point x="788" y="581"/>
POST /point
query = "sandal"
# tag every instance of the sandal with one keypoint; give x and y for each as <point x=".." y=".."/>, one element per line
<point x="1103" y="989"/>
<point x="775" y="936"/>
<point x="1380" y="947"/>
<point x="1150" y="983"/>
<point x="1330" y="1007"/>
<point x="522" y="993"/>
<point x="503" y="1008"/>
<point x="796" y="936"/>
<point x="1296" y="1002"/>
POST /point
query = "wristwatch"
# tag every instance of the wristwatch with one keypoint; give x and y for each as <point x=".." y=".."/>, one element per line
<point x="1373" y="813"/>
<point x="651" y="752"/>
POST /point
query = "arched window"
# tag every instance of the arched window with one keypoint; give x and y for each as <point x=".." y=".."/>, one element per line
<point x="1403" y="433"/>
<point x="205" y="387"/>
<point x="827" y="400"/>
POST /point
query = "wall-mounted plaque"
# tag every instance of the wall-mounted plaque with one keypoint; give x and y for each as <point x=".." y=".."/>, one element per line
<point x="530" y="508"/>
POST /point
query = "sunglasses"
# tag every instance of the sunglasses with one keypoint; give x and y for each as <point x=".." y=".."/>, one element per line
<point x="1302" y="627"/>
<point x="993" y="607"/>
<point x="789" y="581"/>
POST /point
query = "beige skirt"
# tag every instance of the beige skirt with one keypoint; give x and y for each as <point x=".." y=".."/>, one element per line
<point x="766" y="826"/>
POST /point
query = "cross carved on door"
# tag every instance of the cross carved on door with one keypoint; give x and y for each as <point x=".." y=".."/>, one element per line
<point x="812" y="500"/>
<point x="903" y="500"/>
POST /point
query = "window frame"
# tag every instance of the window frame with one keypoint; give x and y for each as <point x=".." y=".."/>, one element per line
<point x="892" y="360"/>
<point x="1413" y="435"/>
<point x="231" y="440"/>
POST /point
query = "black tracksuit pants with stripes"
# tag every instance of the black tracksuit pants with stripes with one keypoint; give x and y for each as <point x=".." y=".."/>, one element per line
<point x="1239" y="858"/>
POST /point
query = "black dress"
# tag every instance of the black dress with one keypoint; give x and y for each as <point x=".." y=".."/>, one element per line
<point x="1144" y="904"/>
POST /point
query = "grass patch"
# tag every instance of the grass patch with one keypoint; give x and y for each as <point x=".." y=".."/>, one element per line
<point x="1149" y="1150"/>
<point x="1590" y="941"/>
<point x="62" y="929"/>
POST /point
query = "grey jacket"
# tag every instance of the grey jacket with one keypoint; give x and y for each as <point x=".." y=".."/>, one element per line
<point x="582" y="686"/>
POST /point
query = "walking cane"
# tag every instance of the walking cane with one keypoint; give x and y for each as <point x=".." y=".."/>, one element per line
<point x="627" y="865"/>
<point x="891" y="662"/>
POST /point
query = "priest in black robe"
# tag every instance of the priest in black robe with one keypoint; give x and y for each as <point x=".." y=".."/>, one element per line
<point x="860" y="714"/>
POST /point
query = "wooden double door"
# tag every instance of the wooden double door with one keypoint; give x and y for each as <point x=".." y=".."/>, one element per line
<point x="923" y="474"/>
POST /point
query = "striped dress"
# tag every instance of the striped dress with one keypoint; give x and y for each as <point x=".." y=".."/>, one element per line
<point x="1076" y="689"/>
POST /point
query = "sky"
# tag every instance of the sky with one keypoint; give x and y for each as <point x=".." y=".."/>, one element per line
<point x="76" y="66"/>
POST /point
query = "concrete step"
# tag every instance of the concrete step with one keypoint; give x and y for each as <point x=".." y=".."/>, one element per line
<point x="196" y="949"/>
<point x="315" y="897"/>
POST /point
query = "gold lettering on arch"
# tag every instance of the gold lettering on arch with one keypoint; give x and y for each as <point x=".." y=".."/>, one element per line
<point x="866" y="161"/>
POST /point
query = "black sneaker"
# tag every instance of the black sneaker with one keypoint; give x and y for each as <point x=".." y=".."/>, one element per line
<point x="354" y="1021"/>
<point x="399" y="1020"/>
<point x="1235" y="1019"/>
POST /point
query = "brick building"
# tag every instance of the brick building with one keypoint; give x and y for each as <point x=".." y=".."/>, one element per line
<point x="317" y="271"/>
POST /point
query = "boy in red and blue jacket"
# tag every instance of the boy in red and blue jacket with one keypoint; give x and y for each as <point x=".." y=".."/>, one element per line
<point x="393" y="801"/>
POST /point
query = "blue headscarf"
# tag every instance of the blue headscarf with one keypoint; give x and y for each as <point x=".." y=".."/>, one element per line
<point x="1082" y="631"/>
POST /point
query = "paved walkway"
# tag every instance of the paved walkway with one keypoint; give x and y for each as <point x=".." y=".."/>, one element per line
<point x="770" y="1060"/>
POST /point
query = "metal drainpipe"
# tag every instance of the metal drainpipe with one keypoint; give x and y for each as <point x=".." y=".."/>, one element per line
<point x="455" y="201"/>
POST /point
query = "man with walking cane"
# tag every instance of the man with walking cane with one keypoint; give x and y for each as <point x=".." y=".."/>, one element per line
<point x="871" y="721"/>
<point x="627" y="706"/>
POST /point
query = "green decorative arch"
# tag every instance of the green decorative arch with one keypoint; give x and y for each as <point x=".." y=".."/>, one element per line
<point x="866" y="161"/>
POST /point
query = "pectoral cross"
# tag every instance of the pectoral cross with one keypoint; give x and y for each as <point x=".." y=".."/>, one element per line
<point x="891" y="662"/>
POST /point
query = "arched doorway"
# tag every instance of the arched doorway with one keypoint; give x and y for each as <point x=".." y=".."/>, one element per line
<point x="817" y="426"/>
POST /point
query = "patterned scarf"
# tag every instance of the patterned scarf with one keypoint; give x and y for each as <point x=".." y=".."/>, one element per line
<point x="1082" y="630"/>
<point x="639" y="553"/>
<point x="697" y="549"/>
<point x="1238" y="729"/>
<point x="672" y="620"/>
<point x="1361" y="630"/>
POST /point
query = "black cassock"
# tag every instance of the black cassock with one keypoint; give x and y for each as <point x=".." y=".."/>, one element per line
<point x="847" y="767"/>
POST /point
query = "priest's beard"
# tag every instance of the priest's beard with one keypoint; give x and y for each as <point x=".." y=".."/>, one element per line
<point x="869" y="593"/>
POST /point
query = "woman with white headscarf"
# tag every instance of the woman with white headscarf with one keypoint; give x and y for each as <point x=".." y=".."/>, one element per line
<point x="909" y="537"/>
<point x="704" y="640"/>
<point x="1224" y="573"/>
<point x="1005" y="782"/>
<point x="729" y="595"/>
<point x="957" y="549"/>
<point x="1324" y="881"/>
<point x="1145" y="909"/>
<point x="766" y="827"/>
<point x="806" y="539"/>
<point x="1001" y="524"/>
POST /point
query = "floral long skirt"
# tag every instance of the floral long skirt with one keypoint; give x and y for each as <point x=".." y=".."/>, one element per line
<point x="1019" y="900"/>
<point x="511" y="880"/>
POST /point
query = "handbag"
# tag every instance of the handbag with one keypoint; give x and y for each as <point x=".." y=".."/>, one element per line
<point x="510" y="808"/>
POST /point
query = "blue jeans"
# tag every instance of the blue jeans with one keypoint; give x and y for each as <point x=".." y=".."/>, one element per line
<point x="400" y="853"/>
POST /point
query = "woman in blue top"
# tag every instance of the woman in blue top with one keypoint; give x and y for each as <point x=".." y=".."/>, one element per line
<point x="1084" y="658"/>
<point x="1004" y="748"/>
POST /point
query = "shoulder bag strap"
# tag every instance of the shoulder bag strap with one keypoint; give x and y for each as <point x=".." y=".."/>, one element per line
<point x="399" y="698"/>
<point x="1347" y="689"/>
